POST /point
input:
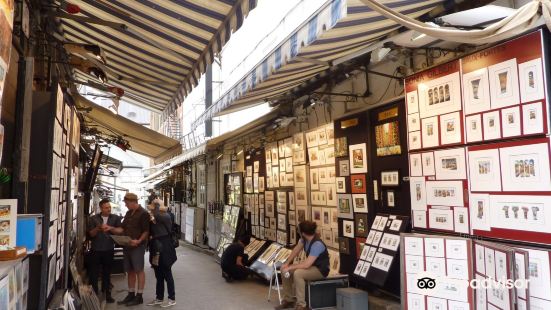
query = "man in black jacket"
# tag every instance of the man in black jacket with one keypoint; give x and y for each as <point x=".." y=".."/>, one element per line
<point x="99" y="227"/>
<point x="234" y="260"/>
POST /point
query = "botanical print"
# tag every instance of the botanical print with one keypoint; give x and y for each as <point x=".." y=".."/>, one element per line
<point x="387" y="138"/>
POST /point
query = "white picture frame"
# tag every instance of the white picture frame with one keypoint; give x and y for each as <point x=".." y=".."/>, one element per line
<point x="419" y="218"/>
<point x="457" y="249"/>
<point x="445" y="193"/>
<point x="412" y="102"/>
<point x="484" y="170"/>
<point x="531" y="212"/>
<point x="504" y="89"/>
<point x="449" y="96"/>
<point x="531" y="81"/>
<point x="414" y="246"/>
<point x="417" y="187"/>
<point x="476" y="91"/>
<point x="311" y="139"/>
<point x="359" y="201"/>
<point x="414" y="140"/>
<point x="430" y="132"/>
<point x="450" y="164"/>
<point x="510" y="122"/>
<point x="299" y="176"/>
<point x="525" y="168"/>
<point x="451" y="129"/>
<point x="441" y="218"/>
<point x="434" y="247"/>
<point x="415" y="165"/>
<point x="492" y="128"/>
<point x="314" y="179"/>
<point x="313" y="156"/>
<point x="532" y="118"/>
<point x="341" y="185"/>
<point x="348" y="229"/>
<point x="461" y="220"/>
<point x="301" y="196"/>
<point x="479" y="210"/>
<point x="427" y="160"/>
<point x="414" y="122"/>
<point x="473" y="125"/>
<point x="358" y="158"/>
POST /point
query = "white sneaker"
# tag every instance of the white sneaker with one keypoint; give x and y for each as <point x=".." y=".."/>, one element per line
<point x="168" y="303"/>
<point x="155" y="302"/>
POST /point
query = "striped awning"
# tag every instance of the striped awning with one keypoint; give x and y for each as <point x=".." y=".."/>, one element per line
<point x="156" y="50"/>
<point x="339" y="29"/>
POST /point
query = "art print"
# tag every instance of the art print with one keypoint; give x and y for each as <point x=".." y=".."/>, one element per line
<point x="314" y="156"/>
<point x="390" y="178"/>
<point x="414" y="140"/>
<point x="299" y="173"/>
<point x="348" y="228"/>
<point x="445" y="193"/>
<point x="532" y="118"/>
<point x="414" y="264"/>
<point x="414" y="246"/>
<point x="341" y="185"/>
<point x="301" y="198"/>
<point x="415" y="165"/>
<point x="430" y="132"/>
<point x="473" y="125"/>
<point x="396" y="225"/>
<point x="524" y="213"/>
<point x="282" y="222"/>
<point x="382" y="261"/>
<point x="345" y="206"/>
<point x="476" y="91"/>
<point x="504" y="84"/>
<point x="390" y="199"/>
<point x="531" y="81"/>
<point x="317" y="216"/>
<point x="485" y="170"/>
<point x="419" y="219"/>
<point x="390" y="242"/>
<point x="417" y="192"/>
<point x="358" y="184"/>
<point x="261" y="185"/>
<point x="344" y="167"/>
<point x="414" y="122"/>
<point x="461" y="220"/>
<point x="440" y="96"/>
<point x="358" y="158"/>
<point x="387" y="139"/>
<point x="289" y="164"/>
<point x="526" y="168"/>
<point x="329" y="154"/>
<point x="412" y="102"/>
<point x="360" y="203"/>
<point x="330" y="194"/>
<point x="311" y="139"/>
<point x="344" y="245"/>
<point x="334" y="218"/>
<point x="450" y="164"/>
<point x="492" y="125"/>
<point x="451" y="131"/>
<point x="314" y="179"/>
<point x="341" y="147"/>
<point x="275" y="177"/>
<point x="434" y="247"/>
<point x="427" y="160"/>
<point x="441" y="218"/>
<point x="510" y="122"/>
<point x="322" y="136"/>
<point x="436" y="266"/>
<point x="302" y="214"/>
<point x="330" y="131"/>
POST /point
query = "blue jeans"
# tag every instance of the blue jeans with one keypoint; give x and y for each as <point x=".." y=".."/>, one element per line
<point x="164" y="273"/>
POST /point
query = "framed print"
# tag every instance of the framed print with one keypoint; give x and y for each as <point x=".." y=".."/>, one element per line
<point x="510" y="122"/>
<point x="532" y="118"/>
<point x="414" y="140"/>
<point x="283" y="179"/>
<point x="268" y="155"/>
<point x="531" y="81"/>
<point x="256" y="166"/>
<point x="255" y="183"/>
<point x="298" y="142"/>
<point x="414" y="264"/>
<point x="301" y="198"/>
<point x="358" y="184"/>
<point x="415" y="165"/>
<point x="382" y="261"/>
<point x="358" y="158"/>
<point x="473" y="124"/>
<point x="281" y="149"/>
<point x="441" y="218"/>
<point x="341" y="185"/>
<point x="289" y="164"/>
<point x="275" y="154"/>
<point x="370" y="237"/>
<point x="390" y="199"/>
<point x="311" y="139"/>
<point x="476" y="94"/>
<point x="335" y="232"/>
<point x="451" y="129"/>
<point x="317" y="216"/>
<point x="344" y="245"/>
<point x="412" y="102"/>
<point x="450" y="164"/>
<point x="396" y="225"/>
<point x="440" y="96"/>
<point x="299" y="173"/>
<point x="269" y="196"/>
<point x="413" y="246"/>
<point x="329" y="154"/>
<point x="324" y="176"/>
<point x="348" y="229"/>
<point x="334" y="218"/>
<point x="341" y="147"/>
<point x="480" y="211"/>
<point x="292" y="218"/>
<point x="525" y="168"/>
<point x="387" y="139"/>
<point x="360" y="203"/>
<point x="485" y="170"/>
<point x="445" y="193"/>
<point x="314" y="179"/>
<point x="345" y="206"/>
<point x="434" y="247"/>
<point x="524" y="213"/>
<point x="291" y="200"/>
<point x="326" y="236"/>
<point x="299" y="157"/>
<point x="249" y="171"/>
<point x="504" y="84"/>
<point x="390" y="178"/>
<point x="492" y="125"/>
<point x="261" y="185"/>
<point x="292" y="234"/>
<point x="282" y="197"/>
<point x="270" y="209"/>
<point x="326" y="217"/>
<point x="390" y="242"/>
<point x="330" y="194"/>
<point x="428" y="163"/>
<point x="330" y="134"/>
<point x="322" y="136"/>
<point x="282" y="222"/>
<point x="429" y="132"/>
<point x="275" y="176"/>
<point x="302" y="214"/>
<point x="414" y="122"/>
<point x="436" y="266"/>
<point x="417" y="188"/>
<point x="344" y="167"/>
<point x="289" y="147"/>
<point x="314" y="156"/>
<point x="365" y="250"/>
<point x="249" y="185"/>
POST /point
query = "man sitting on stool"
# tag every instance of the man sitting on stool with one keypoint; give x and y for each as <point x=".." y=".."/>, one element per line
<point x="315" y="267"/>
<point x="234" y="260"/>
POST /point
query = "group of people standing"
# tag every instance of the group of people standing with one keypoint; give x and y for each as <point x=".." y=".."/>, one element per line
<point x="150" y="228"/>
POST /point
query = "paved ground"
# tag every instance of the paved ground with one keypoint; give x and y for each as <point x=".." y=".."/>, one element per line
<point x="199" y="286"/>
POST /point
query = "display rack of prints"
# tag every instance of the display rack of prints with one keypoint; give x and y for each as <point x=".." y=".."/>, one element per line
<point x="379" y="253"/>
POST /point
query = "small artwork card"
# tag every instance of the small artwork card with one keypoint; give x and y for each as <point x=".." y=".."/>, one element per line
<point x="414" y="140"/>
<point x="348" y="228"/>
<point x="430" y="132"/>
<point x="344" y="167"/>
<point x="345" y="206"/>
<point x="415" y="165"/>
<point x="358" y="158"/>
<point x="390" y="178"/>
<point x="360" y="203"/>
<point x="358" y="184"/>
<point x="492" y="125"/>
<point x="414" y="122"/>
<point x="451" y="129"/>
<point x="341" y="185"/>
<point x="473" y="125"/>
<point x="504" y="90"/>
<point x="510" y="122"/>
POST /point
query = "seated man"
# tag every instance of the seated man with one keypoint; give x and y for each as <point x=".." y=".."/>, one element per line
<point x="234" y="260"/>
<point x="315" y="267"/>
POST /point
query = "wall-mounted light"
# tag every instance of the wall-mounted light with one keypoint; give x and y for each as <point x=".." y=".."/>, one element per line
<point x="219" y="156"/>
<point x="239" y="153"/>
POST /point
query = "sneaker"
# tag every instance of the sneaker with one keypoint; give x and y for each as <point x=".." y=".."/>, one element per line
<point x="138" y="300"/>
<point x="155" y="302"/>
<point x="127" y="299"/>
<point x="168" y="303"/>
<point x="285" y="305"/>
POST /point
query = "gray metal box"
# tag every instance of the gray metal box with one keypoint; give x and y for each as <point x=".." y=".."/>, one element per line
<point x="351" y="299"/>
<point x="322" y="293"/>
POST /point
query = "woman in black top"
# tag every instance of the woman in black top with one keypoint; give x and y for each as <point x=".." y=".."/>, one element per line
<point x="162" y="253"/>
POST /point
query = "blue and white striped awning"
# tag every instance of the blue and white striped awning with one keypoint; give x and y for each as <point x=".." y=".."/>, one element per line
<point x="339" y="29"/>
<point x="163" y="46"/>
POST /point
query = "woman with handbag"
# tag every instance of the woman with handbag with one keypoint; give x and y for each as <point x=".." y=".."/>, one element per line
<point x="162" y="254"/>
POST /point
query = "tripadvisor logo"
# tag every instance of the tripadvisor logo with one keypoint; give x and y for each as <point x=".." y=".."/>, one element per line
<point x="429" y="282"/>
<point x="426" y="283"/>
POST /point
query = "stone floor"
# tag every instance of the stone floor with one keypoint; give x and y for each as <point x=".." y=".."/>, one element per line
<point x="199" y="286"/>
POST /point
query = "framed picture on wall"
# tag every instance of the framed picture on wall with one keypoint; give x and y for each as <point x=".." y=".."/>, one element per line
<point x="484" y="170"/>
<point x="451" y="130"/>
<point x="341" y="147"/>
<point x="314" y="156"/>
<point x="387" y="139"/>
<point x="302" y="214"/>
<point x="440" y="96"/>
<point x="348" y="229"/>
<point x="301" y="196"/>
<point x="361" y="228"/>
<point x="390" y="199"/>
<point x="414" y="140"/>
<point x="358" y="184"/>
<point x="414" y="122"/>
<point x="322" y="136"/>
<point x="428" y="163"/>
<point x="300" y="176"/>
<point x="341" y="185"/>
<point x="532" y="118"/>
<point x="317" y="216"/>
<point x="430" y="132"/>
<point x="476" y="91"/>
<point x="510" y="122"/>
<point x="311" y="139"/>
<point x="415" y="165"/>
<point x="531" y="81"/>
<point x="359" y="202"/>
<point x="345" y="206"/>
<point x="390" y="178"/>
<point x="450" y="164"/>
<point x="314" y="179"/>
<point x="525" y="167"/>
<point x="358" y="158"/>
<point x="330" y="194"/>
<point x="344" y="167"/>
<point x="473" y="124"/>
<point x="492" y="125"/>
<point x="412" y="102"/>
<point x="445" y="193"/>
<point x="504" y="84"/>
